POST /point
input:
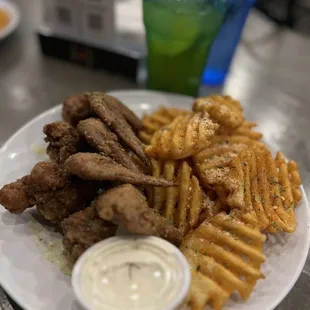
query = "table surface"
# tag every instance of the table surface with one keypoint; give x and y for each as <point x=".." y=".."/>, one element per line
<point x="269" y="75"/>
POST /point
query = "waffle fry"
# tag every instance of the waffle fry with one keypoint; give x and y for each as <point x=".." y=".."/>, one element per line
<point x="224" y="110"/>
<point x="211" y="208"/>
<point x="161" y="117"/>
<point x="184" y="137"/>
<point x="292" y="175"/>
<point x="225" y="255"/>
<point x="265" y="185"/>
<point x="181" y="205"/>
<point x="212" y="164"/>
<point x="246" y="130"/>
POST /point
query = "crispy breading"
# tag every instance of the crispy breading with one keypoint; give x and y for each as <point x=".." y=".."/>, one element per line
<point x="63" y="139"/>
<point x="96" y="167"/>
<point x="75" y="109"/>
<point x="102" y="106"/>
<point x="54" y="191"/>
<point x="101" y="138"/>
<point x="126" y="206"/>
<point x="129" y="115"/>
<point x="83" y="229"/>
<point x="15" y="198"/>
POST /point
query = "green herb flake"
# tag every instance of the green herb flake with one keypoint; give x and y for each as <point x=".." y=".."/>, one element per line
<point x="274" y="181"/>
<point x="276" y="226"/>
<point x="275" y="196"/>
<point x="245" y="163"/>
<point x="220" y="167"/>
<point x="289" y="206"/>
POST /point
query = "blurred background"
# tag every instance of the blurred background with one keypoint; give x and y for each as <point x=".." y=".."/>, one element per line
<point x="62" y="47"/>
<point x="256" y="51"/>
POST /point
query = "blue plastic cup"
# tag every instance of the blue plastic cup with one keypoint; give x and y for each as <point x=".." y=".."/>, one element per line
<point x="224" y="47"/>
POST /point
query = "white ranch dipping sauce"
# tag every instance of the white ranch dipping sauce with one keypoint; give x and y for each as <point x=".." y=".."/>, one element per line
<point x="131" y="272"/>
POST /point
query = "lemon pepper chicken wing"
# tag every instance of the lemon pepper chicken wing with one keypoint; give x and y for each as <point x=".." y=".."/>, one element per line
<point x="103" y="107"/>
<point x="101" y="138"/>
<point x="75" y="109"/>
<point x="126" y="206"/>
<point x="96" y="167"/>
<point x="15" y="198"/>
<point x="63" y="139"/>
<point x="54" y="191"/>
<point x="83" y="229"/>
<point x="129" y="116"/>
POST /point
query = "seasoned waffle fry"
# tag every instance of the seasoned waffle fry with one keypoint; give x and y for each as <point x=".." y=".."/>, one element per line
<point x="222" y="109"/>
<point x="294" y="177"/>
<point x="212" y="164"/>
<point x="210" y="208"/>
<point x="225" y="255"/>
<point x="161" y="117"/>
<point x="184" y="137"/>
<point x="244" y="130"/>
<point x="265" y="186"/>
<point x="181" y="205"/>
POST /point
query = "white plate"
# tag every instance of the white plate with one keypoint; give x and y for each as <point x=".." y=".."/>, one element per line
<point x="13" y="10"/>
<point x="26" y="270"/>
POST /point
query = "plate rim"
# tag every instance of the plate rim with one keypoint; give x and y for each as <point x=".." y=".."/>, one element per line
<point x="137" y="92"/>
<point x="13" y="24"/>
<point x="306" y="250"/>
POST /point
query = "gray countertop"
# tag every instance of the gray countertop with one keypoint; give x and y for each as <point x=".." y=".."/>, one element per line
<point x="270" y="76"/>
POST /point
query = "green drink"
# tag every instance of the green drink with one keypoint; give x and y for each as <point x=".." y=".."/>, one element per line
<point x="179" y="36"/>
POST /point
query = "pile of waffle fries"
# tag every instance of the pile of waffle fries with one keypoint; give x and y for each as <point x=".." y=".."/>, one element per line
<point x="231" y="191"/>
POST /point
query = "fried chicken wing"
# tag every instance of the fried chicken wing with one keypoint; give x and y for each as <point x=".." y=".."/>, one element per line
<point x="129" y="116"/>
<point x="103" y="107"/>
<point x="64" y="140"/>
<point x="96" y="167"/>
<point x="126" y="206"/>
<point x="83" y="229"/>
<point x="46" y="176"/>
<point x="55" y="192"/>
<point x="15" y="198"/>
<point x="75" y="109"/>
<point x="101" y="138"/>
